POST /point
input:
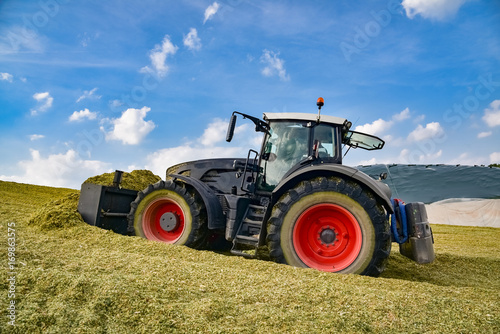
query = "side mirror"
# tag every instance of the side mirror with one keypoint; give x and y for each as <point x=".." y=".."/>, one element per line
<point x="230" y="129"/>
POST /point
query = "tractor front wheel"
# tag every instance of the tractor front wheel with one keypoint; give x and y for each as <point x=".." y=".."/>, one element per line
<point x="169" y="212"/>
<point x="330" y="225"/>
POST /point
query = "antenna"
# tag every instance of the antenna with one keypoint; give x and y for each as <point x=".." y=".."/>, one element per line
<point x="319" y="103"/>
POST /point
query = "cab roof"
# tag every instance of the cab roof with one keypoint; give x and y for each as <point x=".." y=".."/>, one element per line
<point x="269" y="116"/>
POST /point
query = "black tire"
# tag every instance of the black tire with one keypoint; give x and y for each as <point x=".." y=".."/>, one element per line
<point x="332" y="225"/>
<point x="169" y="212"/>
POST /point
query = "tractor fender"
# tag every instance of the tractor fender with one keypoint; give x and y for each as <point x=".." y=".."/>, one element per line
<point x="215" y="216"/>
<point x="381" y="190"/>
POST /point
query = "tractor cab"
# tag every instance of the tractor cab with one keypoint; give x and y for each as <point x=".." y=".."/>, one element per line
<point x="296" y="140"/>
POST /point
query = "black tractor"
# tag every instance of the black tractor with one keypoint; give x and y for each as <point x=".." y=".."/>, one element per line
<point x="294" y="196"/>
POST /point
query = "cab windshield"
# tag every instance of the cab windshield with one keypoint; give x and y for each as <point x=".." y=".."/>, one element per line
<point x="286" y="145"/>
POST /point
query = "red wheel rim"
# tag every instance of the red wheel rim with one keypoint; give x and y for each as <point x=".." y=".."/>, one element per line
<point x="327" y="237"/>
<point x="153" y="221"/>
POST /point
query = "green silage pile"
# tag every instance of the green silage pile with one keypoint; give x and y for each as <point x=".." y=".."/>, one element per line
<point x="62" y="212"/>
<point x="18" y="201"/>
<point x="58" y="214"/>
<point x="135" y="180"/>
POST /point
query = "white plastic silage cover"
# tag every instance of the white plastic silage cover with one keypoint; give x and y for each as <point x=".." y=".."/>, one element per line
<point x="465" y="212"/>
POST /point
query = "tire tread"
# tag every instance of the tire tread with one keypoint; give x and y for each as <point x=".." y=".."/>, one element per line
<point x="199" y="229"/>
<point x="336" y="184"/>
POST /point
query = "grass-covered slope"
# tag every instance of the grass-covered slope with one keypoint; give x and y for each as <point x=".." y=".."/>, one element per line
<point x="75" y="278"/>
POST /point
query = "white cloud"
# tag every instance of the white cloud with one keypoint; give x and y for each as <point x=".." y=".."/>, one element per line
<point x="41" y="96"/>
<point x="388" y="138"/>
<point x="158" y="57"/>
<point x="408" y="156"/>
<point x="210" y="145"/>
<point x="378" y="127"/>
<point x="44" y="102"/>
<point x="214" y="133"/>
<point x="403" y="155"/>
<point x="418" y="119"/>
<point x="431" y="130"/>
<point x="495" y="157"/>
<point x="89" y="94"/>
<point x="115" y="103"/>
<point x="484" y="134"/>
<point x="82" y="114"/>
<point x="274" y="65"/>
<point x="466" y="159"/>
<point x="36" y="137"/>
<point x="211" y="11"/>
<point x="160" y="160"/>
<point x="131" y="128"/>
<point x="432" y="9"/>
<point x="405" y="114"/>
<point x="192" y="41"/>
<point x="20" y="38"/>
<point x="57" y="170"/>
<point x="372" y="161"/>
<point x="492" y="114"/>
<point x="86" y="38"/>
<point x="6" y="76"/>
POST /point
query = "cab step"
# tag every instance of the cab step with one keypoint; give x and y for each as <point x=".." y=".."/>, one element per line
<point x="247" y="236"/>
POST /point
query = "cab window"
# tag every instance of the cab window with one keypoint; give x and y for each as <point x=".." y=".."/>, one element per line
<point x="285" y="146"/>
<point x="326" y="139"/>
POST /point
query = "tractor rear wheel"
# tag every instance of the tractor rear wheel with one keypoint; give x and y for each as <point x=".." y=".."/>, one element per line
<point x="331" y="225"/>
<point x="169" y="212"/>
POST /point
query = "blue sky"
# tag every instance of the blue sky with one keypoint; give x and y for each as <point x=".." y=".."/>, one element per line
<point x="88" y="87"/>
